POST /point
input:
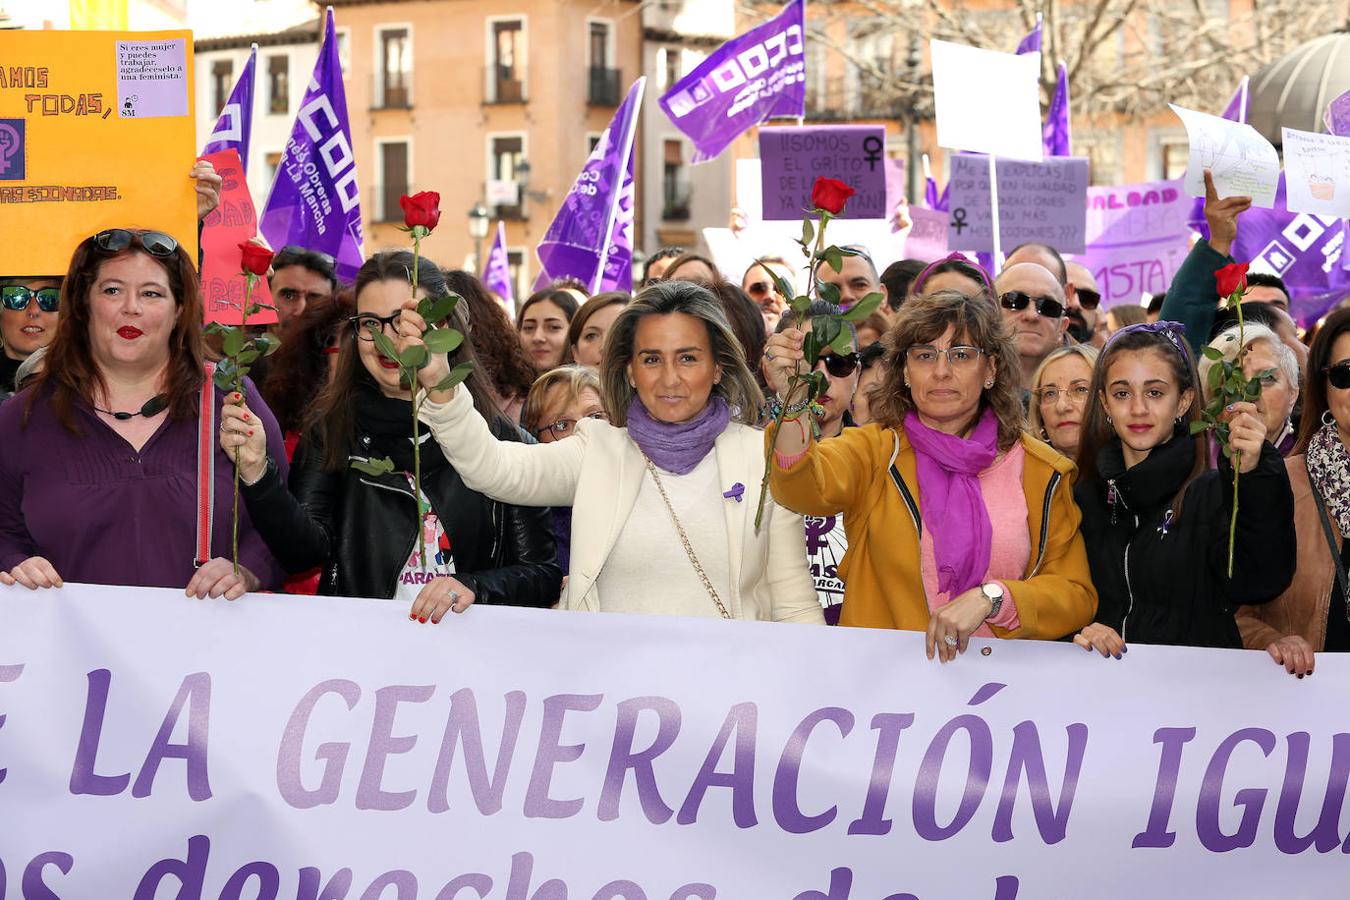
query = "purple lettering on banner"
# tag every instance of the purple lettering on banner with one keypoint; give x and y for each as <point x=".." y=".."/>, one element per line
<point x="622" y="758"/>
<point x="742" y="721"/>
<point x="403" y="882"/>
<point x="1325" y="834"/>
<point x="333" y="754"/>
<point x="481" y="884"/>
<point x="792" y="158"/>
<point x="538" y="804"/>
<point x="786" y="811"/>
<point x="888" y="727"/>
<point x="1045" y="202"/>
<point x="269" y="882"/>
<point x="195" y="693"/>
<point x="930" y="774"/>
<point x="695" y="891"/>
<point x="717" y="101"/>
<point x="83" y="778"/>
<point x="1207" y="825"/>
<point x="463" y="721"/>
<point x="624" y="889"/>
<point x="191" y="873"/>
<point x="33" y="885"/>
<point x="1052" y="823"/>
<point x="370" y="793"/>
<point x="1137" y="238"/>
<point x="1173" y="742"/>
<point x="841" y="884"/>
<point x="335" y="888"/>
<point x="7" y="674"/>
<point x="522" y="873"/>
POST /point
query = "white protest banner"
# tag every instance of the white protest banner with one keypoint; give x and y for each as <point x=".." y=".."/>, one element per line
<point x="1044" y="202"/>
<point x="287" y="747"/>
<point x="1316" y="173"/>
<point x="1138" y="237"/>
<point x="1242" y="161"/>
<point x="792" y="158"/>
<point x="988" y="102"/>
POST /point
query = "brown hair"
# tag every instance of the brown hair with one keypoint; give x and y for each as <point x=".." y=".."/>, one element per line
<point x="590" y="308"/>
<point x="299" y="369"/>
<point x="693" y="257"/>
<point x="557" y="296"/>
<point x="70" y="371"/>
<point x="1126" y="314"/>
<point x="1315" y="378"/>
<point x="572" y="379"/>
<point x="494" y="338"/>
<point x="923" y="319"/>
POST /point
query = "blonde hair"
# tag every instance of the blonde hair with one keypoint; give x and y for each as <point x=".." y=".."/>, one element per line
<point x="572" y="379"/>
<point x="1086" y="351"/>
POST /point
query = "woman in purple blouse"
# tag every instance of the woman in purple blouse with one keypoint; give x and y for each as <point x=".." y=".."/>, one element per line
<point x="98" y="481"/>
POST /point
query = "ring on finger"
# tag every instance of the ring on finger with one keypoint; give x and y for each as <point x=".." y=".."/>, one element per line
<point x="950" y="641"/>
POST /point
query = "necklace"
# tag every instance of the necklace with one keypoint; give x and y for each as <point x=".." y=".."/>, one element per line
<point x="153" y="407"/>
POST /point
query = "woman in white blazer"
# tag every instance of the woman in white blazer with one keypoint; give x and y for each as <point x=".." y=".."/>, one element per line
<point x="663" y="495"/>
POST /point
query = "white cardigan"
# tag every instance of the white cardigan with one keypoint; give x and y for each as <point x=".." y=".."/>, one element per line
<point x="598" y="472"/>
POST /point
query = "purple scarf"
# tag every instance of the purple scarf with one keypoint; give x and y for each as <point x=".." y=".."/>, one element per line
<point x="678" y="448"/>
<point x="949" y="493"/>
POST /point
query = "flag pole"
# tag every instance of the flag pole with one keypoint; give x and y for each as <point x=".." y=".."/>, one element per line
<point x="628" y="140"/>
<point x="993" y="209"/>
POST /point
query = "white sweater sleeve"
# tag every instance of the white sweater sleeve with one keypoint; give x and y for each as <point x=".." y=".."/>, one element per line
<point x="789" y="576"/>
<point x="507" y="471"/>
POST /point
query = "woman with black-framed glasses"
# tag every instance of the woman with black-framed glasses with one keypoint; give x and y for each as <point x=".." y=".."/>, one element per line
<point x="28" y="311"/>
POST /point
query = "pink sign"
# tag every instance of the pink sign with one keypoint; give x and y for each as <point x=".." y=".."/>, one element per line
<point x="232" y="223"/>
<point x="1137" y="238"/>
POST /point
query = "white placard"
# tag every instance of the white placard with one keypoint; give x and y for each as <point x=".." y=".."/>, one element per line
<point x="503" y="192"/>
<point x="1242" y="161"/>
<point x="1316" y="173"/>
<point x="988" y="102"/>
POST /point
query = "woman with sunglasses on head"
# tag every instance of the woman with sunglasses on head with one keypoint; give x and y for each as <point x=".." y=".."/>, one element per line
<point x="28" y="311"/>
<point x="1311" y="616"/>
<point x="1059" y="397"/>
<point x="99" y="483"/>
<point x="959" y="523"/>
<point x="1156" y="517"/>
<point x="360" y="526"/>
<point x="664" y="494"/>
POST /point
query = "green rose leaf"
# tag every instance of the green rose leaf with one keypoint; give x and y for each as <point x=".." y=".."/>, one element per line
<point x="828" y="292"/>
<point x="457" y="375"/>
<point x="835" y="257"/>
<point x="826" y="329"/>
<point x="1253" y="389"/>
<point x="247" y="357"/>
<point x="385" y="346"/>
<point x="1197" y="427"/>
<point x="811" y="347"/>
<point x="215" y="328"/>
<point x="382" y="466"/>
<point x="267" y="344"/>
<point x="443" y="340"/>
<point x="415" y="357"/>
<point x="234" y="341"/>
<point x="800" y="305"/>
<point x="224" y="377"/>
<point x="863" y="308"/>
<point x="842" y="345"/>
<point x="1211" y="353"/>
<point x="1215" y="377"/>
<point x="435" y="309"/>
<point x="808" y="232"/>
<point x="779" y="282"/>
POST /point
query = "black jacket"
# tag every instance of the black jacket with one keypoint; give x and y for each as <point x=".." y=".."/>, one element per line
<point x="1170" y="585"/>
<point x="361" y="530"/>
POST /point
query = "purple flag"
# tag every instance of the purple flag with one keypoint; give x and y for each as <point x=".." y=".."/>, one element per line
<point x="1337" y="116"/>
<point x="497" y="271"/>
<point x="1236" y="111"/>
<point x="1032" y="42"/>
<point x="583" y="232"/>
<point x="235" y="125"/>
<point x="618" y="270"/>
<point x="1057" y="134"/>
<point x="931" y="196"/>
<point x="314" y="202"/>
<point x="757" y="76"/>
<point x="1303" y="249"/>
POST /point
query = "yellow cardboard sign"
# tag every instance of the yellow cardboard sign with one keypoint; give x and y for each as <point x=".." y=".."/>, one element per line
<point x="96" y="131"/>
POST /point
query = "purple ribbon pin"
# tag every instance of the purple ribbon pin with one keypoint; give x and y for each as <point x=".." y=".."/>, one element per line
<point x="736" y="493"/>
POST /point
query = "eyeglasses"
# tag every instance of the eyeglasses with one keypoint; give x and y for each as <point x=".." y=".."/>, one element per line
<point x="1089" y="299"/>
<point x="1339" y="375"/>
<point x="960" y="358"/>
<point x="1077" y="394"/>
<point x="156" y="243"/>
<point x="840" y="366"/>
<point x="1045" y="306"/>
<point x="17" y="297"/>
<point x="367" y="325"/>
<point x="563" y="427"/>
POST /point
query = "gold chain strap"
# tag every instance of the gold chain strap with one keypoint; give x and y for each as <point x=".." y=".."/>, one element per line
<point x="684" y="539"/>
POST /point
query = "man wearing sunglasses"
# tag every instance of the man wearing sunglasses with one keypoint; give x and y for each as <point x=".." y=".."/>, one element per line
<point x="1089" y="298"/>
<point x="28" y="310"/>
<point x="1033" y="312"/>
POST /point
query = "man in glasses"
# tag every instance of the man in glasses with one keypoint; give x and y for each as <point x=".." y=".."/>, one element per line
<point x="855" y="279"/>
<point x="1033" y="307"/>
<point x="758" y="283"/>
<point x="1089" y="298"/>
<point x="28" y="311"/>
<point x="1077" y="326"/>
<point x="300" y="278"/>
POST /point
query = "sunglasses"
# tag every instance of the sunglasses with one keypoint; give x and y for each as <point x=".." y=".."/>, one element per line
<point x="1045" y="306"/>
<point x="1339" y="375"/>
<point x="156" y="243"/>
<point x="840" y="366"/>
<point x="1089" y="299"/>
<point x="17" y="297"/>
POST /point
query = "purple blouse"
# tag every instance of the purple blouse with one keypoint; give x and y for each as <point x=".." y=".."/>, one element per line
<point x="102" y="513"/>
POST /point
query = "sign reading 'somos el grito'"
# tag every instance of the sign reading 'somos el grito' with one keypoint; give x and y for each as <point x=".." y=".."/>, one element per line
<point x="793" y="158"/>
<point x="96" y="131"/>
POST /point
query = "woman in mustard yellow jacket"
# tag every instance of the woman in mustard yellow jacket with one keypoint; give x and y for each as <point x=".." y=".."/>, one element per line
<point x="958" y="521"/>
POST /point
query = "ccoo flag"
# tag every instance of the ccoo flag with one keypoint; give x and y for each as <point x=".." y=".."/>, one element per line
<point x="235" y="125"/>
<point x="497" y="271"/>
<point x="589" y="227"/>
<point x="314" y="202"/>
<point x="757" y="76"/>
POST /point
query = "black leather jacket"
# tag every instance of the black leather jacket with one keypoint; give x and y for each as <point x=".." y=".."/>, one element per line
<point x="361" y="529"/>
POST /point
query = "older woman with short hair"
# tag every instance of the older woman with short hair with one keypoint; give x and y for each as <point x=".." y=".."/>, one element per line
<point x="1279" y="387"/>
<point x="665" y="492"/>
<point x="959" y="523"/>
<point x="1060" y="392"/>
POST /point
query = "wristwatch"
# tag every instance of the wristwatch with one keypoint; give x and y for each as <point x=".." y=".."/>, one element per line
<point x="995" y="594"/>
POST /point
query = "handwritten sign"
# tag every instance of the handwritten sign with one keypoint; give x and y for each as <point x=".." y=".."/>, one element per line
<point x="1242" y="161"/>
<point x="988" y="102"/>
<point x="1317" y="173"/>
<point x="1137" y="238"/>
<point x="233" y="222"/>
<point x="792" y="158"/>
<point x="75" y="158"/>
<point x="1045" y="202"/>
<point x="927" y="238"/>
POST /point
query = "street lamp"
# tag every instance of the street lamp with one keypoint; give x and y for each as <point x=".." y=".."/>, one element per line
<point x="478" y="229"/>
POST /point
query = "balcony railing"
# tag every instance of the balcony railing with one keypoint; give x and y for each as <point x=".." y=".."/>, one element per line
<point x="675" y="203"/>
<point x="850" y="98"/>
<point x="504" y="84"/>
<point x="384" y="206"/>
<point x="391" y="93"/>
<point x="604" y="87"/>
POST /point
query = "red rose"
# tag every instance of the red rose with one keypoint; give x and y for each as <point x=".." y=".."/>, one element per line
<point x="1231" y="279"/>
<point x="257" y="259"/>
<point x="421" y="209"/>
<point x="830" y="194"/>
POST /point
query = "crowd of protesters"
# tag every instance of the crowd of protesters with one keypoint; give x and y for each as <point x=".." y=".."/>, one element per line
<point x="992" y="454"/>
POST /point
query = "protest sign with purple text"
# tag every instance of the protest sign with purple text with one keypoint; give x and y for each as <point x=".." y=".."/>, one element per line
<point x="1044" y="202"/>
<point x="1137" y="238"/>
<point x="791" y="160"/>
<point x="759" y="75"/>
<point x="275" y="748"/>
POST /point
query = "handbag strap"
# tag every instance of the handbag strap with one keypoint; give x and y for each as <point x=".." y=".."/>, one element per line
<point x="1331" y="541"/>
<point x="688" y="547"/>
<point x="206" y="466"/>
